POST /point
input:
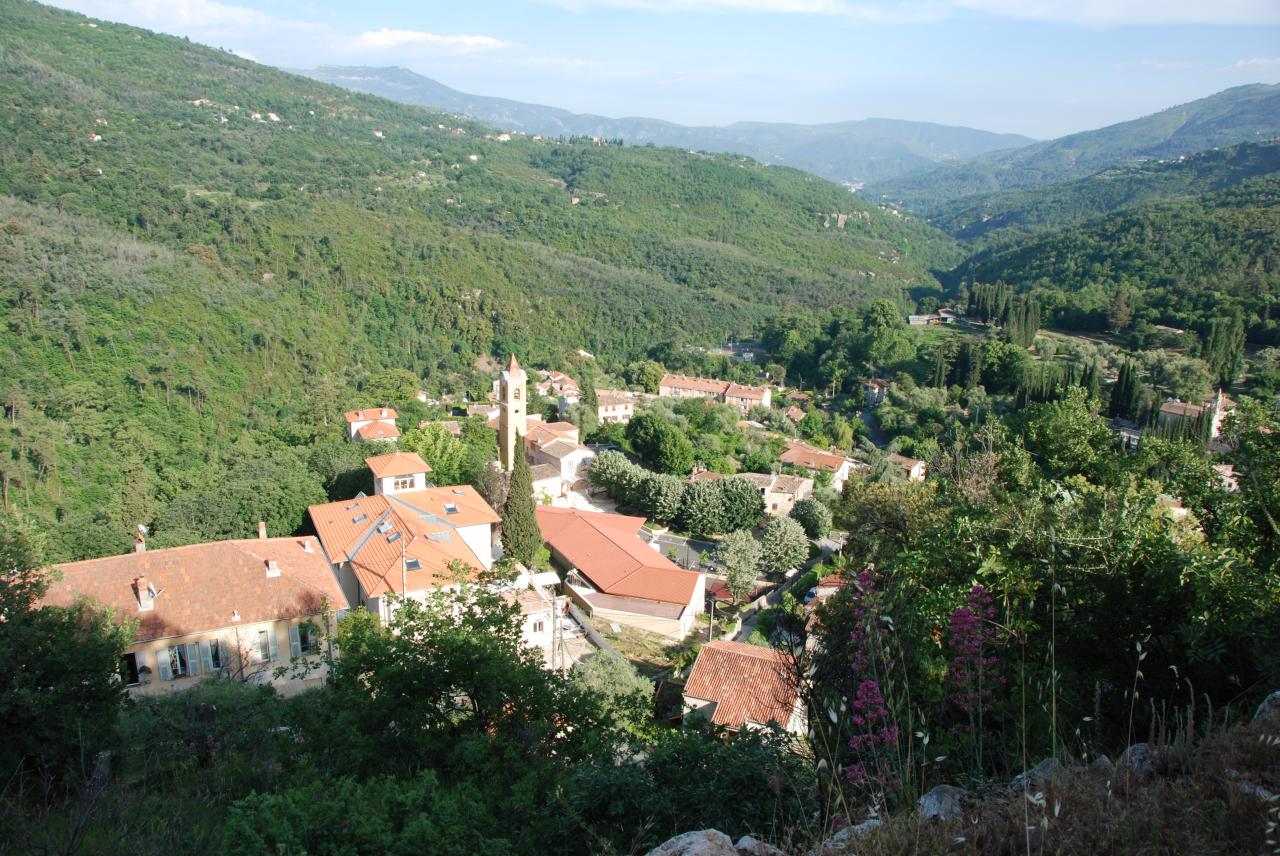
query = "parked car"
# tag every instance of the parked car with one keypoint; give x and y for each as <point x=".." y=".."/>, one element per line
<point x="810" y="595"/>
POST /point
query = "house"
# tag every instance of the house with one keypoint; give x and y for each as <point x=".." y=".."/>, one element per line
<point x="780" y="492"/>
<point x="740" y="686"/>
<point x="913" y="469"/>
<point x="489" y="412"/>
<point x="408" y="543"/>
<point x="613" y="405"/>
<point x="874" y="390"/>
<point x="540" y="612"/>
<point x="377" y="423"/>
<point x="795" y="414"/>
<point x="798" y="396"/>
<point x="453" y="426"/>
<point x="398" y="472"/>
<point x="816" y="460"/>
<point x="240" y="609"/>
<point x="615" y="576"/>
<point x="547" y="484"/>
<point x="556" y="444"/>
<point x="1174" y="413"/>
<point x="737" y="395"/>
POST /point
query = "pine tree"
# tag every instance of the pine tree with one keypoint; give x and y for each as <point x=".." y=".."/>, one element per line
<point x="1224" y="348"/>
<point x="1126" y="395"/>
<point x="1120" y="312"/>
<point x="521" y="536"/>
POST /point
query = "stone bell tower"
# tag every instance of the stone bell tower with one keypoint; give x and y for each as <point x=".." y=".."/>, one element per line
<point x="512" y="412"/>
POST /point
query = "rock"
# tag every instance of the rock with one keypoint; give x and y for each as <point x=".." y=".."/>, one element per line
<point x="1269" y="709"/>
<point x="839" y="841"/>
<point x="1038" y="776"/>
<point x="1138" y="761"/>
<point x="1102" y="764"/>
<point x="942" y="802"/>
<point x="748" y="846"/>
<point x="706" y="842"/>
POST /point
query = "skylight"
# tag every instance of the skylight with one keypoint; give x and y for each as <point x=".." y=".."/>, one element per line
<point x="393" y="537"/>
<point x="359" y="518"/>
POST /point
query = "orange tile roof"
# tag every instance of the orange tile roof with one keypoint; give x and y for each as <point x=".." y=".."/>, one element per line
<point x="609" y="553"/>
<point x="418" y="521"/>
<point x="397" y="464"/>
<point x="902" y="460"/>
<point x="795" y="414"/>
<point x="679" y="381"/>
<point x="370" y="413"/>
<point x="204" y="587"/>
<point x="378" y="431"/>
<point x="748" y="683"/>
<point x="751" y="393"/>
<point x="810" y="458"/>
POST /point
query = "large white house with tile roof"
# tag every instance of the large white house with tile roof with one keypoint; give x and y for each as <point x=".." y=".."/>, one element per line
<point x="374" y="423"/>
<point x="398" y="472"/>
<point x="405" y="543"/>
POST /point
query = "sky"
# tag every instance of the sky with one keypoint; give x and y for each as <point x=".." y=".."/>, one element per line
<point x="1043" y="68"/>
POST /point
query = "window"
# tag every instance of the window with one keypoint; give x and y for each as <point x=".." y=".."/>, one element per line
<point x="403" y="483"/>
<point x="264" y="647"/>
<point x="215" y="655"/>
<point x="307" y="638"/>
<point x="539" y="626"/>
<point x="129" y="669"/>
<point x="179" y="663"/>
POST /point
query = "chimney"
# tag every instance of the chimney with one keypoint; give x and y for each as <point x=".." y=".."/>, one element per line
<point x="139" y="544"/>
<point x="273" y="568"/>
<point x="262" y="529"/>
<point x="146" y="595"/>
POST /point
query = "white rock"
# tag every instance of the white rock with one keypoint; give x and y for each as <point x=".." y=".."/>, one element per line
<point x="1269" y="709"/>
<point x="1037" y="776"/>
<point x="706" y="842"/>
<point x="748" y="846"/>
<point x="943" y="801"/>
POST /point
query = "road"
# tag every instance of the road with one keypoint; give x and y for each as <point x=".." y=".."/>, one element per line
<point x="687" y="549"/>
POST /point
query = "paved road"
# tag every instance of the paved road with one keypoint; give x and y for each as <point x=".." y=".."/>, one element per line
<point x="687" y="549"/>
<point x="829" y="545"/>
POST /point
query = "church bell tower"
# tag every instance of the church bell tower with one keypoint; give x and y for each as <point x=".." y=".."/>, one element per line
<point x="512" y="412"/>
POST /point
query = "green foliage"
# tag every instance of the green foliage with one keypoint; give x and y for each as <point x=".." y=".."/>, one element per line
<point x="813" y="516"/>
<point x="738" y="556"/>
<point x="659" y="444"/>
<point x="703" y="512"/>
<point x="521" y="536"/>
<point x="627" y="696"/>
<point x="740" y="503"/>
<point x="783" y="545"/>
<point x="61" y="691"/>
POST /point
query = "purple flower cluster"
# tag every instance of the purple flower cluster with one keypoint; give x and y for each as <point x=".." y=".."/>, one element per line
<point x="972" y="638"/>
<point x="869" y="631"/>
<point x="875" y="736"/>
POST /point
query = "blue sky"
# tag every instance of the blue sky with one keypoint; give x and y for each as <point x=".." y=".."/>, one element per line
<point x="1038" y="67"/>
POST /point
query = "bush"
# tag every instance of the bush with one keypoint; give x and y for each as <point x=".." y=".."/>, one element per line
<point x="813" y="516"/>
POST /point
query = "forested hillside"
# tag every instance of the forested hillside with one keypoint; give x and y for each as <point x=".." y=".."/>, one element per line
<point x="1238" y="115"/>
<point x="204" y="261"/>
<point x="998" y="216"/>
<point x="1179" y="262"/>
<point x="858" y="150"/>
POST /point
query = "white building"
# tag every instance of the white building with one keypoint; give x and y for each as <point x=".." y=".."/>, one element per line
<point x="375" y="423"/>
<point x="398" y="472"/>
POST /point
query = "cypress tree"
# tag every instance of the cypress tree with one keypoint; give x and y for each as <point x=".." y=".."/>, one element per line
<point x="1126" y="395"/>
<point x="940" y="367"/>
<point x="521" y="536"/>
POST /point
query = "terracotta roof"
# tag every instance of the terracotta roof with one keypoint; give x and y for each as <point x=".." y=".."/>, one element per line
<point x="609" y="397"/>
<point x="370" y="413"/>
<point x="543" y="472"/>
<point x="420" y="521"/>
<point x="378" y="431"/>
<point x="799" y="395"/>
<point x="1181" y="408"/>
<point x="679" y="381"/>
<point x="810" y="458"/>
<point x="751" y="393"/>
<point x="529" y="601"/>
<point x="902" y="460"/>
<point x="512" y="365"/>
<point x="748" y="683"/>
<point x="397" y="464"/>
<point x="202" y="587"/>
<point x="705" y="475"/>
<point x="791" y="484"/>
<point x="453" y="426"/>
<point x="608" y="551"/>
<point x="795" y="414"/>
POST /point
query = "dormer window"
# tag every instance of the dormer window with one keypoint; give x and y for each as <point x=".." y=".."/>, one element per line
<point x="450" y="508"/>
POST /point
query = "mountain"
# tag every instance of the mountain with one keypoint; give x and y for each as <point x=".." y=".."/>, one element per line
<point x="1242" y="114"/>
<point x="1180" y="262"/>
<point x="995" y="216"/>
<point x="204" y="261"/>
<point x="855" y="151"/>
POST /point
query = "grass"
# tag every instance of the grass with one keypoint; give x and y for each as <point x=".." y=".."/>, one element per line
<point x="656" y="656"/>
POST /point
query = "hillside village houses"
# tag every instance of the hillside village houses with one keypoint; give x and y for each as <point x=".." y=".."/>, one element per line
<point x="398" y="472"/>
<point x="547" y="445"/>
<point x="874" y="390"/>
<point x="912" y="468"/>
<point x="613" y="405"/>
<point x="375" y="423"/>
<point x="243" y="609"/>
<point x="613" y="575"/>
<point x="1174" y="413"/>
<point x="815" y="460"/>
<point x="744" y="687"/>
<point x="734" y="394"/>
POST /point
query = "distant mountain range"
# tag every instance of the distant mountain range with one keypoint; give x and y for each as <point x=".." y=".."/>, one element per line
<point x="852" y="152"/>
<point x="1243" y="114"/>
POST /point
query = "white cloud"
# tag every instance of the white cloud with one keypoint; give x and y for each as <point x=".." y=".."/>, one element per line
<point x="1090" y="12"/>
<point x="1256" y="64"/>
<point x="389" y="39"/>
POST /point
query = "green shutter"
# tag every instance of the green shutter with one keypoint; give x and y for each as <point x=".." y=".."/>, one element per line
<point x="162" y="661"/>
<point x="274" y="640"/>
<point x="206" y="656"/>
<point x="193" y="659"/>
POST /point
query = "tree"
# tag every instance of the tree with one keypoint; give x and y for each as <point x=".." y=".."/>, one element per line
<point x="663" y="496"/>
<point x="606" y="468"/>
<point x="660" y="444"/>
<point x="1120" y="312"/>
<point x="1126" y="395"/>
<point x="626" y="695"/>
<point x="703" y="511"/>
<point x="738" y="556"/>
<point x="1224" y="349"/>
<point x="61" y="691"/>
<point x="1066" y="437"/>
<point x="392" y="386"/>
<point x="435" y="444"/>
<point x="813" y="516"/>
<point x="741" y="503"/>
<point x="521" y="536"/>
<point x="783" y="545"/>
<point x="647" y="374"/>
